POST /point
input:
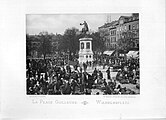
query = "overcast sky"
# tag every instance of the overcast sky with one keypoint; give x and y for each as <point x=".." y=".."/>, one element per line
<point x="57" y="23"/>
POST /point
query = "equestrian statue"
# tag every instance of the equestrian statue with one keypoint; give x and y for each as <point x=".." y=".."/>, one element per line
<point x="85" y="28"/>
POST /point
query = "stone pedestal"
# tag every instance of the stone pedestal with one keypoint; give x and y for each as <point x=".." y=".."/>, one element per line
<point x="85" y="52"/>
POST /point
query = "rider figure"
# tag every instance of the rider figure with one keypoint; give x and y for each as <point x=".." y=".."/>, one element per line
<point x="85" y="28"/>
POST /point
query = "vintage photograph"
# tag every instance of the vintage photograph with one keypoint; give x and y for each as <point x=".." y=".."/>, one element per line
<point x="82" y="54"/>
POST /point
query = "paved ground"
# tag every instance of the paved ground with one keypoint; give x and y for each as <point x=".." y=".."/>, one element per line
<point x="113" y="75"/>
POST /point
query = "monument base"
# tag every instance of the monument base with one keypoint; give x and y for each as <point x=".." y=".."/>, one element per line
<point x="85" y="52"/>
<point x="85" y="56"/>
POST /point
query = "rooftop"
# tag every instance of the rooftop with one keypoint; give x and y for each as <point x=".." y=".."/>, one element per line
<point x="109" y="24"/>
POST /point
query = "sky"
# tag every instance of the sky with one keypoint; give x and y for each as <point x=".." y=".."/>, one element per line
<point x="58" y="23"/>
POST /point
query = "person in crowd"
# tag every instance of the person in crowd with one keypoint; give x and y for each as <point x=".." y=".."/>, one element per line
<point x="84" y="66"/>
<point x="100" y="74"/>
<point x="108" y="73"/>
<point x="104" y="82"/>
<point x="108" y="89"/>
<point x="94" y="74"/>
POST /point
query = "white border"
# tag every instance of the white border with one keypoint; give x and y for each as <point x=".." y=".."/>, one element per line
<point x="149" y="104"/>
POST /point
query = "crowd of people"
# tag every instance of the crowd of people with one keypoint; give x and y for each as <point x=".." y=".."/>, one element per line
<point x="54" y="77"/>
<point x="130" y="71"/>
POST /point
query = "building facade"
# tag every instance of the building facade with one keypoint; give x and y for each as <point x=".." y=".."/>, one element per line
<point x="105" y="33"/>
<point x="129" y="24"/>
<point x="112" y="30"/>
<point x="115" y="29"/>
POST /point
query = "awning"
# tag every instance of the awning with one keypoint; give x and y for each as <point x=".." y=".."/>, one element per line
<point x="133" y="54"/>
<point x="109" y="52"/>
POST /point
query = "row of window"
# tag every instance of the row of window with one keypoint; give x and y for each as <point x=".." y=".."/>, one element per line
<point x="113" y="39"/>
<point x="134" y="26"/>
<point x="130" y="27"/>
<point x="85" y="56"/>
<point x="88" y="56"/>
<point x="114" y="46"/>
<point x="87" y="45"/>
<point x="121" y="28"/>
<point x="109" y="45"/>
<point x="113" y="32"/>
<point x="135" y="35"/>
